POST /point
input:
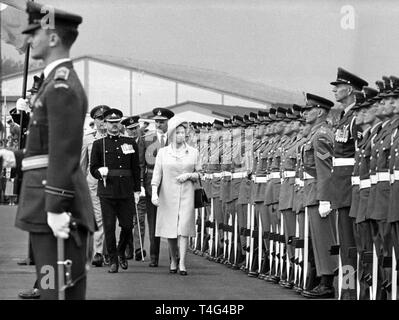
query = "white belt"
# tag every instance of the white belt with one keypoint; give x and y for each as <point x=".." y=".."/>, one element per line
<point x="299" y="182"/>
<point x="217" y="175"/>
<point x="339" y="162"/>
<point x="396" y="174"/>
<point x="35" y="162"/>
<point x="208" y="175"/>
<point x="226" y="174"/>
<point x="373" y="179"/>
<point x="383" y="176"/>
<point x="274" y="175"/>
<point x="288" y="174"/>
<point x="253" y="177"/>
<point x="307" y="176"/>
<point x="355" y="181"/>
<point x="365" y="183"/>
<point x="260" y="179"/>
<point x="238" y="175"/>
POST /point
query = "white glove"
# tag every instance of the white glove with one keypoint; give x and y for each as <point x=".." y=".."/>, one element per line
<point x="324" y="208"/>
<point x="183" y="177"/>
<point x="8" y="158"/>
<point x="155" y="200"/>
<point x="59" y="223"/>
<point x="103" y="171"/>
<point x="22" y="105"/>
<point x="142" y="192"/>
<point x="137" y="197"/>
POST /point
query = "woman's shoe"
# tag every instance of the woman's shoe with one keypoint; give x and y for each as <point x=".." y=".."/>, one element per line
<point x="183" y="272"/>
<point x="172" y="270"/>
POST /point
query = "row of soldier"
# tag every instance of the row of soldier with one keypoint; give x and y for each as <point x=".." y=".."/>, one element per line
<point x="297" y="202"/>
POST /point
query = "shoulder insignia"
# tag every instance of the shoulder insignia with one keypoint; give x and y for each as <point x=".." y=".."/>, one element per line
<point x="323" y="156"/>
<point x="61" y="73"/>
<point x="61" y="85"/>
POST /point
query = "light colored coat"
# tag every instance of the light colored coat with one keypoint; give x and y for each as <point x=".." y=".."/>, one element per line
<point x="175" y="215"/>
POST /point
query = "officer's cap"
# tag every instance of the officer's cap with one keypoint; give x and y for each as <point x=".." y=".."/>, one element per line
<point x="38" y="16"/>
<point x="227" y="123"/>
<point x="345" y="77"/>
<point x="113" y="115"/>
<point x="162" y="114"/>
<point x="313" y="101"/>
<point x="272" y="114"/>
<point x="37" y="82"/>
<point x="280" y="114"/>
<point x="98" y="111"/>
<point x="369" y="95"/>
<point x="247" y="120"/>
<point x="131" y="122"/>
<point x="393" y="87"/>
<point x="360" y="99"/>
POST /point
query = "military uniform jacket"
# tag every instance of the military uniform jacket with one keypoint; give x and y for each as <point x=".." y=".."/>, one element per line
<point x="288" y="163"/>
<point x="344" y="147"/>
<point x="317" y="162"/>
<point x="298" y="205"/>
<point x="122" y="159"/>
<point x="393" y="212"/>
<point x="149" y="146"/>
<point x="87" y="146"/>
<point x="55" y="129"/>
<point x="215" y="160"/>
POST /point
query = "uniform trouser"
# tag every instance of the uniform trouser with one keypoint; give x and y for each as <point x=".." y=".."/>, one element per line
<point x="231" y="208"/>
<point x="346" y="241"/>
<point x="218" y="218"/>
<point x="44" y="246"/>
<point x="382" y="238"/>
<point x="289" y="231"/>
<point x="274" y="219"/>
<point x="364" y="243"/>
<point x="323" y="232"/>
<point x="261" y="214"/>
<point x="98" y="237"/>
<point x="242" y="223"/>
<point x="395" y="237"/>
<point x="152" y="220"/>
<point x="123" y="209"/>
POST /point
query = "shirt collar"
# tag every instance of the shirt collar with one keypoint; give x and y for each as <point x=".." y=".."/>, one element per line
<point x="50" y="67"/>
<point x="346" y="110"/>
<point x="159" y="134"/>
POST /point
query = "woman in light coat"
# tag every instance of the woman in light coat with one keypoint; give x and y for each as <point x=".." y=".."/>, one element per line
<point x="176" y="170"/>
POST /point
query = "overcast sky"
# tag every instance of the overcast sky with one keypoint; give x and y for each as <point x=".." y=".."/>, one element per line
<point x="294" y="45"/>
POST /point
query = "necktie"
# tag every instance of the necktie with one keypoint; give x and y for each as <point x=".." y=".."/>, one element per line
<point x="162" y="140"/>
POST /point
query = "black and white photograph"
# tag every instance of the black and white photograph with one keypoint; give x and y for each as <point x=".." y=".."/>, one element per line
<point x="207" y="153"/>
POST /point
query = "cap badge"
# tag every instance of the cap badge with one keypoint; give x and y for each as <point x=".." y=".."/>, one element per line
<point x="159" y="113"/>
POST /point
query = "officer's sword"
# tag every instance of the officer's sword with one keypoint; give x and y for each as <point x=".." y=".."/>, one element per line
<point x="306" y="248"/>
<point x="138" y="227"/>
<point x="394" y="276"/>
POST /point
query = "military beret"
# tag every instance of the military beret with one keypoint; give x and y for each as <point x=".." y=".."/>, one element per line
<point x="218" y="122"/>
<point x="345" y="77"/>
<point x="313" y="101"/>
<point x="38" y="17"/>
<point x="131" y="122"/>
<point x="113" y="115"/>
<point x="162" y="114"/>
<point x="98" y="111"/>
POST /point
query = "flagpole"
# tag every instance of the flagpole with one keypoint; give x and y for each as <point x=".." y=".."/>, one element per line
<point x="24" y="84"/>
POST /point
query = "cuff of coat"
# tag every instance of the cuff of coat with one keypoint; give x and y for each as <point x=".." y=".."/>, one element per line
<point x="58" y="200"/>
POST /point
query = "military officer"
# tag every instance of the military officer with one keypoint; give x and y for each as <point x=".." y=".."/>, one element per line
<point x="343" y="161"/>
<point x="55" y="201"/>
<point x="151" y="144"/>
<point x="370" y="126"/>
<point x="114" y="163"/>
<point x="317" y="162"/>
<point x="136" y="244"/>
<point x="97" y="114"/>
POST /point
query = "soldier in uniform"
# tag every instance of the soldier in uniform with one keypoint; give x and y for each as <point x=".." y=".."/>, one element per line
<point x="114" y="163"/>
<point x="150" y="146"/>
<point x="132" y="127"/>
<point x="55" y="200"/>
<point x="370" y="126"/>
<point x="343" y="161"/>
<point x="97" y="114"/>
<point x="317" y="163"/>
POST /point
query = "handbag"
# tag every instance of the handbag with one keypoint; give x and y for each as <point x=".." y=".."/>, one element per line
<point x="200" y="197"/>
